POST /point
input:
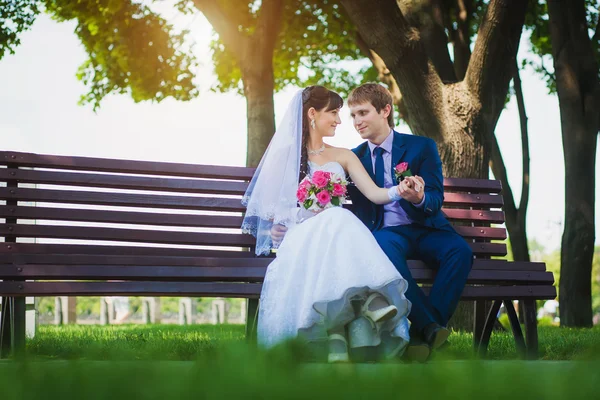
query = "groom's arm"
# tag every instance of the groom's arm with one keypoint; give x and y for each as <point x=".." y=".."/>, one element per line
<point x="431" y="172"/>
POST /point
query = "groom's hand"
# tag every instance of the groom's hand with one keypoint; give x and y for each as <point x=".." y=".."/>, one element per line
<point x="412" y="189"/>
<point x="277" y="233"/>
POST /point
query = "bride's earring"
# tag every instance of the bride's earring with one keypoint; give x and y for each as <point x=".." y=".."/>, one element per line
<point x="312" y="123"/>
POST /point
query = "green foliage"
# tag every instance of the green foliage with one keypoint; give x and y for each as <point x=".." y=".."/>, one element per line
<point x="552" y="261"/>
<point x="315" y="37"/>
<point x="16" y="16"/>
<point x="132" y="50"/>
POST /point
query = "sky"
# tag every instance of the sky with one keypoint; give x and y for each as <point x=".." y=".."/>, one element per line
<point x="39" y="114"/>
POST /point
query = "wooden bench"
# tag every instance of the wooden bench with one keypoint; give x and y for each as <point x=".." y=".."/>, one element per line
<point x="70" y="224"/>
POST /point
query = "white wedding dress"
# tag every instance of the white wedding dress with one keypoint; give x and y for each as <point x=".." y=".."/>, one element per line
<point x="322" y="266"/>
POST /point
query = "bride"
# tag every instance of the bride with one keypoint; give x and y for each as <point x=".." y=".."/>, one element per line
<point x="330" y="281"/>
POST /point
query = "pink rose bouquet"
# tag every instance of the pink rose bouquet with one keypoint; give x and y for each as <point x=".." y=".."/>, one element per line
<point x="321" y="191"/>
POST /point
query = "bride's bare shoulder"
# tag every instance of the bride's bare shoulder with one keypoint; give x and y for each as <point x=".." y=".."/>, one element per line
<point x="341" y="151"/>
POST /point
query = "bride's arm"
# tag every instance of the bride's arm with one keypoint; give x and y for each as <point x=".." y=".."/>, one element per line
<point x="363" y="181"/>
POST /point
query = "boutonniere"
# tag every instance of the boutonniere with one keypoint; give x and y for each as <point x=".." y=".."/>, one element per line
<point x="401" y="171"/>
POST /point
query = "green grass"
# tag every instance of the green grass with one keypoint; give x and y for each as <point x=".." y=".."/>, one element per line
<point x="131" y="342"/>
<point x="150" y="362"/>
<point x="172" y="342"/>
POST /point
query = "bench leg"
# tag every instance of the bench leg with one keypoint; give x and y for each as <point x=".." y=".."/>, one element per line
<point x="531" y="334"/>
<point x="251" y="320"/>
<point x="12" y="327"/>
<point x="478" y="323"/>
<point x="515" y="325"/>
<point x="488" y="328"/>
<point x="6" y="327"/>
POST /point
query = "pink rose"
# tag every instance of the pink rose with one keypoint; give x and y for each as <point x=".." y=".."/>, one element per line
<point x="338" y="190"/>
<point x="323" y="198"/>
<point x="402" y="167"/>
<point x="301" y="194"/>
<point x="321" y="179"/>
<point x="305" y="183"/>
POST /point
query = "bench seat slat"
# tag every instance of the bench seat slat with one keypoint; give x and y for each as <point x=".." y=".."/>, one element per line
<point x="225" y="289"/>
<point x="246" y="260"/>
<point x="242" y="272"/>
<point x="485" y="249"/>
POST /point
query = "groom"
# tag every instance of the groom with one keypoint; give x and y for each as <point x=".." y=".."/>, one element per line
<point x="414" y="227"/>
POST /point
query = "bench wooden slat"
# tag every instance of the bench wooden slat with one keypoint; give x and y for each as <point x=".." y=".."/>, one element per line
<point x="125" y="166"/>
<point x="157" y="236"/>
<point x="472" y="185"/>
<point x="483" y="216"/>
<point x="247" y="260"/>
<point x="189" y="202"/>
<point x="170" y="237"/>
<point x="240" y="273"/>
<point x="482" y="232"/>
<point x="187" y="170"/>
<point x="136" y="182"/>
<point x="212" y="289"/>
<point x="122" y="199"/>
<point x="128" y="235"/>
<point x="87" y="249"/>
<point x="168" y="219"/>
<point x="223" y="289"/>
<point x="121" y="217"/>
<point x="80" y="179"/>
<point x="483" y="249"/>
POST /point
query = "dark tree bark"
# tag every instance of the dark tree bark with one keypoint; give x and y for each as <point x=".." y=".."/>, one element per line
<point x="576" y="69"/>
<point x="460" y="116"/>
<point x="254" y="55"/>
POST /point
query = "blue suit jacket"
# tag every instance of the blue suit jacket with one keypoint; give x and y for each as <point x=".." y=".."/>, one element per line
<point x="423" y="159"/>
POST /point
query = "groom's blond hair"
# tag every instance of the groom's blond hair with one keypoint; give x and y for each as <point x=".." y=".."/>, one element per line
<point x="375" y="94"/>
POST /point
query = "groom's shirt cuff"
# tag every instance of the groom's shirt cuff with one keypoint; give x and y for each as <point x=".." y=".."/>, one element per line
<point x="420" y="205"/>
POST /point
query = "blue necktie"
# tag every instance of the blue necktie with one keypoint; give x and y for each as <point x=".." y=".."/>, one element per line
<point x="379" y="168"/>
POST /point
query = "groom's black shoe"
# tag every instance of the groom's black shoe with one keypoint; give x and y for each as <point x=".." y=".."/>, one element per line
<point x="417" y="350"/>
<point x="435" y="335"/>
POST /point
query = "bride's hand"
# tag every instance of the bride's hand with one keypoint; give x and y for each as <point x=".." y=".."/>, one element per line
<point x="278" y="233"/>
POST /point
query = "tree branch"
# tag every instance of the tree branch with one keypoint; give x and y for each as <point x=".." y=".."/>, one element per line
<point x="389" y="34"/>
<point x="490" y="68"/>
<point x="224" y="25"/>
<point x="462" y="38"/>
<point x="428" y="17"/>
<point x="384" y="75"/>
<point x="499" y="171"/>
<point x="269" y="22"/>
<point x="524" y="141"/>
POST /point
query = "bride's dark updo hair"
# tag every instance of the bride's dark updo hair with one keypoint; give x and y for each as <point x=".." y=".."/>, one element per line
<point x="320" y="98"/>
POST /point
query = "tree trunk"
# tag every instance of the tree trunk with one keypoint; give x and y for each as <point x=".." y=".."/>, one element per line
<point x="254" y="55"/>
<point x="579" y="101"/>
<point x="258" y="90"/>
